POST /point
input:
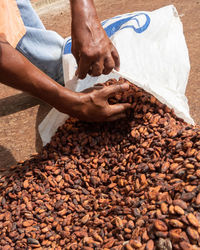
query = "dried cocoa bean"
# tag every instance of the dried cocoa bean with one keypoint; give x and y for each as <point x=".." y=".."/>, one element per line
<point x="129" y="184"/>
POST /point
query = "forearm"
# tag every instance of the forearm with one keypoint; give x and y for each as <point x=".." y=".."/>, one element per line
<point x="84" y="9"/>
<point x="17" y="72"/>
<point x="85" y="21"/>
<point x="93" y="50"/>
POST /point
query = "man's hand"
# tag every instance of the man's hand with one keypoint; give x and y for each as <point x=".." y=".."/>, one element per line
<point x="92" y="104"/>
<point x="93" y="50"/>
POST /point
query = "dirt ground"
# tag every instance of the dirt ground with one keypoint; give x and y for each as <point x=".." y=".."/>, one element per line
<point x="20" y="114"/>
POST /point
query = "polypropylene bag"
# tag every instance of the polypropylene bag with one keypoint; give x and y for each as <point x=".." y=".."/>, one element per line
<point x="153" y="55"/>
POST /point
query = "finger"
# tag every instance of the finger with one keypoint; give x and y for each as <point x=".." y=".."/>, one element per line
<point x="117" y="109"/>
<point x="97" y="68"/>
<point x="116" y="59"/>
<point x="113" y="89"/>
<point x="90" y="71"/>
<point x="75" y="53"/>
<point x="116" y="117"/>
<point x="83" y="68"/>
<point x="98" y="86"/>
<point x="109" y="64"/>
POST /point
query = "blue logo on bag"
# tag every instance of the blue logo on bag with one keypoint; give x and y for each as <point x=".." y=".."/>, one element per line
<point x="141" y="23"/>
<point x="137" y="26"/>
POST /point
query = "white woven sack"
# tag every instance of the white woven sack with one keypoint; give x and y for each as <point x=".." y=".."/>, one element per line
<point x="153" y="55"/>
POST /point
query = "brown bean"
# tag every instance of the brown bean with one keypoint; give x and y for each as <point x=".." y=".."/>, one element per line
<point x="129" y="184"/>
<point x="193" y="220"/>
<point x="160" y="225"/>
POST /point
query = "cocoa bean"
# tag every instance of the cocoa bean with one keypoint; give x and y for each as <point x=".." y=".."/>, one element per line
<point x="193" y="220"/>
<point x="160" y="225"/>
<point x="192" y="233"/>
<point x="129" y="184"/>
<point x="150" y="245"/>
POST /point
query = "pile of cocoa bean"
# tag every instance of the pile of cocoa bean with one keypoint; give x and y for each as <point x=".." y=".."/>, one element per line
<point x="129" y="184"/>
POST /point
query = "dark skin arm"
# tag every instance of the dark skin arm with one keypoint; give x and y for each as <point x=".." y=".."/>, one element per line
<point x="17" y="72"/>
<point x="93" y="50"/>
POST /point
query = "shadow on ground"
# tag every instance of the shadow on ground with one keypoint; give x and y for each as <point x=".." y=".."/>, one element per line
<point x="13" y="104"/>
<point x="6" y="159"/>
<point x="20" y="116"/>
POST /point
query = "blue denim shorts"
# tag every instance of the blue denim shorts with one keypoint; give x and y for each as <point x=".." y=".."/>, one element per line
<point x="40" y="46"/>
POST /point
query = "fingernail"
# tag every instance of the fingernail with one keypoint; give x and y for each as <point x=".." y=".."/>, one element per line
<point x="117" y="68"/>
<point x="81" y="77"/>
<point x="125" y="85"/>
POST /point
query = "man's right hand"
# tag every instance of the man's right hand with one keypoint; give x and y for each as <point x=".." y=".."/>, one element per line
<point x="92" y="104"/>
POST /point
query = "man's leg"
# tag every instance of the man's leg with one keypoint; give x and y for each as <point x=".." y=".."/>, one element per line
<point x="42" y="47"/>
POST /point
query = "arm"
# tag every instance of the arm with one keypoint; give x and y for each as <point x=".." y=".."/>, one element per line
<point x="17" y="72"/>
<point x="93" y="50"/>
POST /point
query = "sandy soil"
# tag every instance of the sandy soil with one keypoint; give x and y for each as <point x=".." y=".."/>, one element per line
<point x="20" y="114"/>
